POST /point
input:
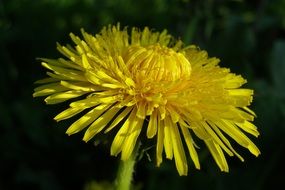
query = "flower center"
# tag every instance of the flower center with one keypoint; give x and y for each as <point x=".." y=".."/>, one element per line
<point x="159" y="74"/>
<point x="156" y="63"/>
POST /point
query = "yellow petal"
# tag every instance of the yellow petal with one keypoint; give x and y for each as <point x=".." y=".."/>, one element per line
<point x="249" y="111"/>
<point x="248" y="127"/>
<point x="61" y="97"/>
<point x="178" y="150"/>
<point x="225" y="140"/>
<point x="81" y="86"/>
<point x="71" y="54"/>
<point x="216" y="138"/>
<point x="69" y="73"/>
<point x="68" y="113"/>
<point x="46" y="80"/>
<point x="85" y="62"/>
<point x="152" y="125"/>
<point x="120" y="137"/>
<point x="191" y="148"/>
<point x="173" y="114"/>
<point x="122" y="65"/>
<point x="141" y="110"/>
<point x="86" y="120"/>
<point x="167" y="138"/>
<point x="49" y="89"/>
<point x="100" y="123"/>
<point x="119" y="118"/>
<point x="218" y="155"/>
<point x="159" y="143"/>
<point x="229" y="128"/>
<point x="130" y="140"/>
<point x="62" y="63"/>
<point x="240" y="92"/>
<point x="199" y="131"/>
<point x="87" y="102"/>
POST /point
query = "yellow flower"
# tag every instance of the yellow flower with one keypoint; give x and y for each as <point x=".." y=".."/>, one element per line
<point x="147" y="81"/>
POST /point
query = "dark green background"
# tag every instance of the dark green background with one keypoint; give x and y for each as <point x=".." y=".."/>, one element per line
<point x="35" y="153"/>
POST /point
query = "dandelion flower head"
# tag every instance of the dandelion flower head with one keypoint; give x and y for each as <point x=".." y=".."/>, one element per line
<point x="146" y="85"/>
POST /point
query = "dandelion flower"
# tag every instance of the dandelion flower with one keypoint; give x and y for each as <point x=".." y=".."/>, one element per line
<point x="145" y="85"/>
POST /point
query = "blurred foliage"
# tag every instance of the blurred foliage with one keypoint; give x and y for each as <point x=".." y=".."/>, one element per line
<point x="104" y="185"/>
<point x="248" y="37"/>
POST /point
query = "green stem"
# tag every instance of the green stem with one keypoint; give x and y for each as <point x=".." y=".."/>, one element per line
<point x="125" y="172"/>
